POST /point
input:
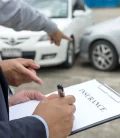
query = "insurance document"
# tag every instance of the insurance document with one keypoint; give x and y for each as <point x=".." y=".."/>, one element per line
<point x="96" y="103"/>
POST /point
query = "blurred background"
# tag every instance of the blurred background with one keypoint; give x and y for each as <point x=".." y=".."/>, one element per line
<point x="94" y="53"/>
<point x="102" y="3"/>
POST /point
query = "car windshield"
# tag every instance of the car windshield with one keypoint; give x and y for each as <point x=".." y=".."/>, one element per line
<point x="51" y="8"/>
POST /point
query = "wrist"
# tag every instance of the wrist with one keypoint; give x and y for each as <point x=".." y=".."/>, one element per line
<point x="1" y="64"/>
<point x="10" y="102"/>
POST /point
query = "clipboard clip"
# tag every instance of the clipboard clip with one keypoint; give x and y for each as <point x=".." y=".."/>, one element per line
<point x="110" y="92"/>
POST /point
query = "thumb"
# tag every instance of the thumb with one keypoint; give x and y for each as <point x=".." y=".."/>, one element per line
<point x="38" y="96"/>
<point x="67" y="38"/>
<point x="35" y="95"/>
<point x="28" y="63"/>
<point x="34" y="65"/>
<point x="32" y="70"/>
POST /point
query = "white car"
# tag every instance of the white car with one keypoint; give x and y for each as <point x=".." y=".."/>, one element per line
<point x="71" y="17"/>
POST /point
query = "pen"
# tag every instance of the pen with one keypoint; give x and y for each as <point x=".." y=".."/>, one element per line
<point x="60" y="91"/>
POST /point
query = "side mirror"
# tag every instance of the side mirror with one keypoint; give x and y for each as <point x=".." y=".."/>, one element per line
<point x="78" y="13"/>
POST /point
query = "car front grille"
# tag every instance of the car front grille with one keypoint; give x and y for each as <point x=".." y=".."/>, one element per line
<point x="13" y="41"/>
<point x="29" y="55"/>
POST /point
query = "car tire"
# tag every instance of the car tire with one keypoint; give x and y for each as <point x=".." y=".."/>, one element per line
<point x="103" y="56"/>
<point x="70" y="56"/>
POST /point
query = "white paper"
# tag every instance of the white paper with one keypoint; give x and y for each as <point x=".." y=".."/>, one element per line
<point x="93" y="104"/>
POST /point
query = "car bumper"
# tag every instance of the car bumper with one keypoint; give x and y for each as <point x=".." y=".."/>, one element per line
<point x="50" y="54"/>
<point x="44" y="54"/>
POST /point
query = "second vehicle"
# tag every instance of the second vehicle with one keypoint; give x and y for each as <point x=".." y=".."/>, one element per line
<point x="100" y="44"/>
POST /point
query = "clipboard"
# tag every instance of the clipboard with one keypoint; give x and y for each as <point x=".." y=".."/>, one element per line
<point x="114" y="96"/>
<point x="92" y="100"/>
<point x="95" y="124"/>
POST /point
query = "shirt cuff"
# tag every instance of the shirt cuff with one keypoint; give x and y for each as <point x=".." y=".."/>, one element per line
<point x="44" y="122"/>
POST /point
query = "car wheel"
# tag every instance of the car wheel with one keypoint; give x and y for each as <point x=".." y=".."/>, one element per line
<point x="70" y="56"/>
<point x="104" y="56"/>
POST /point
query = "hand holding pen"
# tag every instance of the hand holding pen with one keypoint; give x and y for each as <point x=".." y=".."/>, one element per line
<point x="58" y="113"/>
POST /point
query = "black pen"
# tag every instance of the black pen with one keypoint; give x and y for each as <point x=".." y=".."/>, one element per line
<point x="60" y="91"/>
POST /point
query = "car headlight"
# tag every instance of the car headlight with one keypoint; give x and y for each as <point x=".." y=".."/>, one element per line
<point x="44" y="38"/>
<point x="87" y="33"/>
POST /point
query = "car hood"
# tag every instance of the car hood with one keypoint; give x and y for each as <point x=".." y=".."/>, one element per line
<point x="61" y="23"/>
<point x="107" y="25"/>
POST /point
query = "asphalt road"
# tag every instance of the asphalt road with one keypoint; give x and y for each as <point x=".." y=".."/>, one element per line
<point x="82" y="72"/>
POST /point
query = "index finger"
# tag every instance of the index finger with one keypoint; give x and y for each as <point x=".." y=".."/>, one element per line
<point x="52" y="96"/>
<point x="32" y="76"/>
<point x="68" y="99"/>
<point x="35" y="78"/>
<point x="67" y="38"/>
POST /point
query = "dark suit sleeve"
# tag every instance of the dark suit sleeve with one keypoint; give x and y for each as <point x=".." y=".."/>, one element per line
<point x="28" y="127"/>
